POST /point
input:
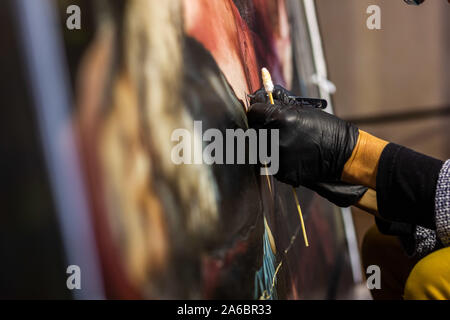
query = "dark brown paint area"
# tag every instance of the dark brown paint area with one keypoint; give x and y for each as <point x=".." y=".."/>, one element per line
<point x="235" y="252"/>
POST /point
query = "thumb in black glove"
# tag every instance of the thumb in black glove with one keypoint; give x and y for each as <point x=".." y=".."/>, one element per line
<point x="340" y="193"/>
<point x="283" y="96"/>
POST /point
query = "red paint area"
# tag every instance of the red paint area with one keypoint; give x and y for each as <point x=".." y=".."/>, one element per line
<point x="241" y="46"/>
<point x="239" y="51"/>
<point x="213" y="268"/>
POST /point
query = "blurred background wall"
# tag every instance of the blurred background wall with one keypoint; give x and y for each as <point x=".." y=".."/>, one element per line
<point x="402" y="69"/>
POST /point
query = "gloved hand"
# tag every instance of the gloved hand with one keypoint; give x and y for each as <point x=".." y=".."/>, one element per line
<point x="314" y="145"/>
<point x="340" y="193"/>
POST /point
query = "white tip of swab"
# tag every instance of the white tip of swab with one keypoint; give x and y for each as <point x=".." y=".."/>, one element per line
<point x="267" y="80"/>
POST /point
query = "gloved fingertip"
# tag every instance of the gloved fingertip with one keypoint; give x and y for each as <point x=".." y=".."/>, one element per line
<point x="259" y="96"/>
<point x="259" y="114"/>
<point x="260" y="108"/>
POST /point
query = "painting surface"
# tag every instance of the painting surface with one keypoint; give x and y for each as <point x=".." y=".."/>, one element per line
<point x="196" y="231"/>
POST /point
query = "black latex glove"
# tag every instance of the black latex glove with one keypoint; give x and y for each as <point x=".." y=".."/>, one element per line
<point x="314" y="145"/>
<point x="340" y="193"/>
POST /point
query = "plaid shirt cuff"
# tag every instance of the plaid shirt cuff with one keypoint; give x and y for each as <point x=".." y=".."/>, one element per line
<point x="442" y="205"/>
<point x="425" y="242"/>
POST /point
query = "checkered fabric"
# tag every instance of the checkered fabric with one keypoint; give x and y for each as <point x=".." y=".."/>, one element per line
<point x="425" y="241"/>
<point x="442" y="205"/>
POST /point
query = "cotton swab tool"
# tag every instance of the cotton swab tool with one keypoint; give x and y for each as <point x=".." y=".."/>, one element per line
<point x="268" y="86"/>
